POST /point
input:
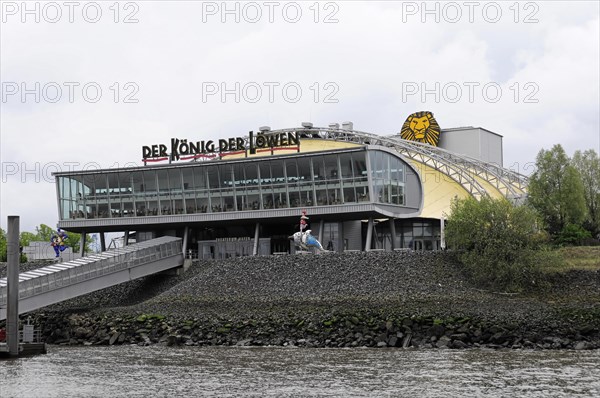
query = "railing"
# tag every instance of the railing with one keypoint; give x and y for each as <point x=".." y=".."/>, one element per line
<point x="31" y="336"/>
<point x="60" y="275"/>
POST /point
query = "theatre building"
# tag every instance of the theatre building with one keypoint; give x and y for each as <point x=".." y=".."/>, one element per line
<point x="244" y="195"/>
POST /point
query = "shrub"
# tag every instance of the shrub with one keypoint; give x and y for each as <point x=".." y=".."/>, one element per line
<point x="501" y="245"/>
<point x="572" y="235"/>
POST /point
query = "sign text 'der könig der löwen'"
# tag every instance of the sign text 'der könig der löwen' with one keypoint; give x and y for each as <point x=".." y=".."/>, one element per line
<point x="183" y="148"/>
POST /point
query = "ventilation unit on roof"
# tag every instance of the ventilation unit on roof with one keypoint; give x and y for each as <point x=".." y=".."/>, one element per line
<point x="307" y="125"/>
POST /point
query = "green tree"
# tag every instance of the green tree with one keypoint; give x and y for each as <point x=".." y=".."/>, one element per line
<point x="73" y="241"/>
<point x="44" y="232"/>
<point x="588" y="165"/>
<point x="26" y="238"/>
<point x="573" y="235"/>
<point x="2" y="245"/>
<point x="556" y="190"/>
<point x="501" y="246"/>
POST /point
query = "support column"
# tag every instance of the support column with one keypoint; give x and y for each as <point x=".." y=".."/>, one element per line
<point x="82" y="244"/>
<point x="12" y="308"/>
<point x="102" y="242"/>
<point x="340" y="237"/>
<point x="442" y="233"/>
<point x="256" y="238"/>
<point x="369" y="240"/>
<point x="185" y="241"/>
<point x="393" y="231"/>
<point x="321" y="230"/>
<point x="126" y="239"/>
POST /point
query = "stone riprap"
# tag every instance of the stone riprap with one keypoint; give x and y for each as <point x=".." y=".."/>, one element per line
<point x="399" y="299"/>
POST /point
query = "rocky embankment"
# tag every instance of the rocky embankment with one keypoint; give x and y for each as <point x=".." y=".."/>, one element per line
<point x="350" y="300"/>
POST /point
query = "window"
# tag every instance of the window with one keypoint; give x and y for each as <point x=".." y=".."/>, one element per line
<point x="346" y="165"/>
<point x="331" y="167"/>
<point x="388" y="178"/>
<point x="304" y="169"/>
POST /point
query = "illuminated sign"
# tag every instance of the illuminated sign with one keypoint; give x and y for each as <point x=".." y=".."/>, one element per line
<point x="421" y="127"/>
<point x="181" y="149"/>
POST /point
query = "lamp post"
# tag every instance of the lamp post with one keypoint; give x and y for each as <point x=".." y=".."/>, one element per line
<point x="12" y="308"/>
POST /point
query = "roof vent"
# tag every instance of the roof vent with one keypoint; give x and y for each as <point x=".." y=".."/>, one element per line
<point x="264" y="128"/>
<point x="348" y="126"/>
<point x="307" y="125"/>
<point x="335" y="126"/>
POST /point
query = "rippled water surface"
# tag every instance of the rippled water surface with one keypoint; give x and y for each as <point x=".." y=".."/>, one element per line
<point x="294" y="372"/>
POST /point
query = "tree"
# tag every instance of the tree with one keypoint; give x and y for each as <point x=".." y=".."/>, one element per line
<point x="556" y="190"/>
<point x="44" y="232"/>
<point x="2" y="245"/>
<point x="26" y="238"/>
<point x="588" y="166"/>
<point x="501" y="246"/>
<point x="4" y="248"/>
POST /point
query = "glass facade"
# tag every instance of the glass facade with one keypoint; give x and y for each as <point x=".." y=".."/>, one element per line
<point x="388" y="176"/>
<point x="212" y="187"/>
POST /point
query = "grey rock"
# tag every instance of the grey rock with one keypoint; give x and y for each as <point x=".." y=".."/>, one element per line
<point x="113" y="338"/>
<point x="443" y="342"/>
<point x="436" y="330"/>
<point x="245" y="342"/>
<point x="582" y="345"/>
<point x="459" y="336"/>
<point x="458" y="344"/>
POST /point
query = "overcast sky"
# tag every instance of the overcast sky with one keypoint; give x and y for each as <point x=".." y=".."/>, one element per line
<point x="86" y="85"/>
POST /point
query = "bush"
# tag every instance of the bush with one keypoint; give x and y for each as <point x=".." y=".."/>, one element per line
<point x="572" y="235"/>
<point x="501" y="245"/>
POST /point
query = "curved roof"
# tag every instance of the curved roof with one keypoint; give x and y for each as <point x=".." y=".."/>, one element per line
<point x="476" y="177"/>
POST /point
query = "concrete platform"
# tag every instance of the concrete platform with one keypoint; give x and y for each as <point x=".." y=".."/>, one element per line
<point x="25" y="349"/>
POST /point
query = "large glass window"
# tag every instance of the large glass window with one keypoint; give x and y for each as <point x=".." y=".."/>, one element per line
<point x="304" y="169"/>
<point x="175" y="189"/>
<point x="150" y="190"/>
<point x="277" y="171"/>
<point x="251" y="189"/>
<point x="213" y="177"/>
<point x="331" y="167"/>
<point x="318" y="168"/>
<point x="126" y="194"/>
<point x="346" y="165"/>
<point x="248" y="185"/>
<point x="89" y="195"/>
<point x="388" y="178"/>
<point x="200" y="178"/>
<point x="164" y="196"/>
<point x="188" y="193"/>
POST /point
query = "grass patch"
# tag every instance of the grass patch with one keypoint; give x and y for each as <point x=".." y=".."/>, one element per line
<point x="585" y="258"/>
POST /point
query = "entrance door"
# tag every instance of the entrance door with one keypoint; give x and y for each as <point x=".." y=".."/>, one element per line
<point x="280" y="245"/>
<point x="428" y="244"/>
<point x="424" y="244"/>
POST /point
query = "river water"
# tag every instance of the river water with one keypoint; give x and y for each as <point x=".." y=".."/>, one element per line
<point x="132" y="371"/>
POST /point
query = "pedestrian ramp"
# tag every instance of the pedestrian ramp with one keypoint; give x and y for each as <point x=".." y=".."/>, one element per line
<point x="62" y="281"/>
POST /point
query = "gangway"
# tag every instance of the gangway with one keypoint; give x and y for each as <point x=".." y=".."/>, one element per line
<point x="62" y="281"/>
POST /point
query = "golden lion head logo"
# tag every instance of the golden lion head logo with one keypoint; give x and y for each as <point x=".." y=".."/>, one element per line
<point x="421" y="127"/>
